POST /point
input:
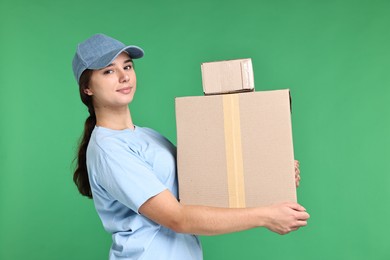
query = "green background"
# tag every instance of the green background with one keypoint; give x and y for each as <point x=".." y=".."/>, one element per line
<point x="333" y="55"/>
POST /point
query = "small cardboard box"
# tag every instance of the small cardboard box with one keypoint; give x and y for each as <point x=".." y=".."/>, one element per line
<point x="228" y="76"/>
<point x="235" y="150"/>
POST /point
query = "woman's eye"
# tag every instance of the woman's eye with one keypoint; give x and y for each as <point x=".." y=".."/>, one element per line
<point x="128" y="67"/>
<point x="108" y="71"/>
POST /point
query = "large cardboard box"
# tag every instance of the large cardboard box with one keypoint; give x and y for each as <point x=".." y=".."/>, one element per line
<point x="227" y="76"/>
<point x="235" y="150"/>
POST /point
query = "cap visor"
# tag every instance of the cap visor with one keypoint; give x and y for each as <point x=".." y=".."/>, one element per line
<point x="134" y="52"/>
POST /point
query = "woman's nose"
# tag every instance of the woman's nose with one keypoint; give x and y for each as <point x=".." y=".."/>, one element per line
<point x="124" y="77"/>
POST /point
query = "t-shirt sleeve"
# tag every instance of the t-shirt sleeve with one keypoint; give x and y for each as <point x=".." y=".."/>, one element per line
<point x="126" y="177"/>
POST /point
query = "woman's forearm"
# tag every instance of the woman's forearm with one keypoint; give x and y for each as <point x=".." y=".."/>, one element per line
<point x="202" y="220"/>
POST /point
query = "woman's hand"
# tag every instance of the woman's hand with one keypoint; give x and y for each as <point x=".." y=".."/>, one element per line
<point x="286" y="217"/>
<point x="297" y="173"/>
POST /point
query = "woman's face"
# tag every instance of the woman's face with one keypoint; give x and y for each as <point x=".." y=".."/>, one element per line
<point x="113" y="86"/>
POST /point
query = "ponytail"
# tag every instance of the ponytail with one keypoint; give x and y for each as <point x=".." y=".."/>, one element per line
<point x="80" y="176"/>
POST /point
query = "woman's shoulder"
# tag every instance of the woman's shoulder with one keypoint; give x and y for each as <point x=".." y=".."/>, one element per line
<point x="105" y="138"/>
<point x="155" y="134"/>
<point x="150" y="131"/>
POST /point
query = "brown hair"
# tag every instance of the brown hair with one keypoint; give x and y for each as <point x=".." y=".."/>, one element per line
<point x="80" y="176"/>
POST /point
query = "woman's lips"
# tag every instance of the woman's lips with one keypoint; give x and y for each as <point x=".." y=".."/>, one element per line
<point x="126" y="90"/>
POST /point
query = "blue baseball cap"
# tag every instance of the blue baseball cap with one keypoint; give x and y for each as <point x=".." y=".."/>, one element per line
<point x="98" y="51"/>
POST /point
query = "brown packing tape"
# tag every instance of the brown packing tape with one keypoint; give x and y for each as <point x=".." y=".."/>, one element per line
<point x="235" y="169"/>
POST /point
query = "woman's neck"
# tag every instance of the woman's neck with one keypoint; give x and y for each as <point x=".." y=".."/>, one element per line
<point x="116" y="119"/>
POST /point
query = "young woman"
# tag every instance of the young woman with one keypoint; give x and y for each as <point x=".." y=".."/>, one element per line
<point x="130" y="171"/>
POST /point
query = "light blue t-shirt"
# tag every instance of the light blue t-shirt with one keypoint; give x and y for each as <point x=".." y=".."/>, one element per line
<point x="126" y="168"/>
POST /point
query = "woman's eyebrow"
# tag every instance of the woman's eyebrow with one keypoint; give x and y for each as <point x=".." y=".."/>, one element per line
<point x="126" y="61"/>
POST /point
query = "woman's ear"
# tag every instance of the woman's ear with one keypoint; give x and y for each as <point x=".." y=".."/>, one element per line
<point x="88" y="92"/>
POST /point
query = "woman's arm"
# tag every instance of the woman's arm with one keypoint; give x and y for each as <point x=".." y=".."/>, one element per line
<point x="201" y="220"/>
